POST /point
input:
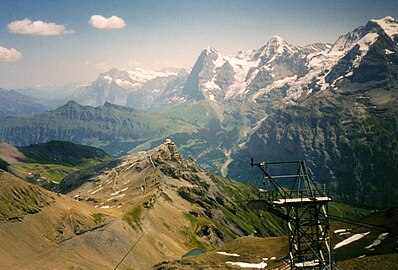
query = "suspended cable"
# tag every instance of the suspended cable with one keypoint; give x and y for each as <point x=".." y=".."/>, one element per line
<point x="363" y="224"/>
<point x="128" y="252"/>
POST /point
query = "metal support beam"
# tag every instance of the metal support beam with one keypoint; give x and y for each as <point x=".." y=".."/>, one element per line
<point x="305" y="209"/>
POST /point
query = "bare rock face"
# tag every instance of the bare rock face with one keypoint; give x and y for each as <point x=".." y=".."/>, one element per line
<point x="169" y="151"/>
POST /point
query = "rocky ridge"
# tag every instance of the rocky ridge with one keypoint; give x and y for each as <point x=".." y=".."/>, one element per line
<point x="166" y="179"/>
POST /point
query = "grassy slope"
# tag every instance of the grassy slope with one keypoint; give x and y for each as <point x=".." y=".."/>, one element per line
<point x="63" y="153"/>
<point x="3" y="164"/>
<point x="197" y="113"/>
<point x="48" y="163"/>
<point x="254" y="223"/>
<point x="18" y="198"/>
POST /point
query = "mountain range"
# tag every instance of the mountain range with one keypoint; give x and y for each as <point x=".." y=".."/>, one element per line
<point x="345" y="124"/>
<point x="333" y="105"/>
<point x="13" y="103"/>
<point x="154" y="209"/>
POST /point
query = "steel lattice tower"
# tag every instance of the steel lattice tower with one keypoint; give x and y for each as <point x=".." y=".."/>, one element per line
<point x="305" y="209"/>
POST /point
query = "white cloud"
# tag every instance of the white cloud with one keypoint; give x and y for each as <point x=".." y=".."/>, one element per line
<point x="9" y="55"/>
<point x="37" y="28"/>
<point x="101" y="22"/>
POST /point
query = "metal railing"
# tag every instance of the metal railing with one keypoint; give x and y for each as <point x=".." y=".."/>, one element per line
<point x="285" y="195"/>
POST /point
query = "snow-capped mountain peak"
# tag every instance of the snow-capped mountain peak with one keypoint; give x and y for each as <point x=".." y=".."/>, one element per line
<point x="388" y="24"/>
<point x="142" y="75"/>
<point x="210" y="50"/>
<point x="278" y="68"/>
<point x="211" y="56"/>
<point x="113" y="76"/>
<point x="346" y="41"/>
<point x="348" y="53"/>
<point x="278" y="43"/>
<point x="130" y="79"/>
<point x="275" y="46"/>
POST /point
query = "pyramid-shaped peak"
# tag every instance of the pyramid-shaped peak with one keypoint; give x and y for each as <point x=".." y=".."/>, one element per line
<point x="275" y="46"/>
<point x="211" y="54"/>
<point x="71" y="104"/>
<point x="278" y="44"/>
<point x="210" y="50"/>
<point x="276" y="40"/>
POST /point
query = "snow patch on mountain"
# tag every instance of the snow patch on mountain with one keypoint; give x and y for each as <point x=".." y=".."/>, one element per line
<point x="219" y="60"/>
<point x="140" y="75"/>
<point x="108" y="78"/>
<point x="364" y="44"/>
<point x="260" y="265"/>
<point x="367" y="41"/>
<point x="241" y="64"/>
<point x="210" y="86"/>
<point x="377" y="241"/>
<point x="126" y="84"/>
<point x="351" y="239"/>
<point x="276" y="84"/>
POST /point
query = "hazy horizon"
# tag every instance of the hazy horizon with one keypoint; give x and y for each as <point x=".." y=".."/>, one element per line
<point x="59" y="42"/>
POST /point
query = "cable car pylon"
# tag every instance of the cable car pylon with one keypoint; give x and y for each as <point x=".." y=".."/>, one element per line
<point x="303" y="206"/>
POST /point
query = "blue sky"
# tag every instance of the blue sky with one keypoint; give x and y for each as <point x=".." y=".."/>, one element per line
<point x="156" y="34"/>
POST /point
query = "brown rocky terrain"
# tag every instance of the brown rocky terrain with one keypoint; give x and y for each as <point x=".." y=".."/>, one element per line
<point x="10" y="153"/>
<point x="155" y="204"/>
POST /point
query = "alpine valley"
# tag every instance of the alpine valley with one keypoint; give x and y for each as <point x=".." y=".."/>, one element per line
<point x="332" y="105"/>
